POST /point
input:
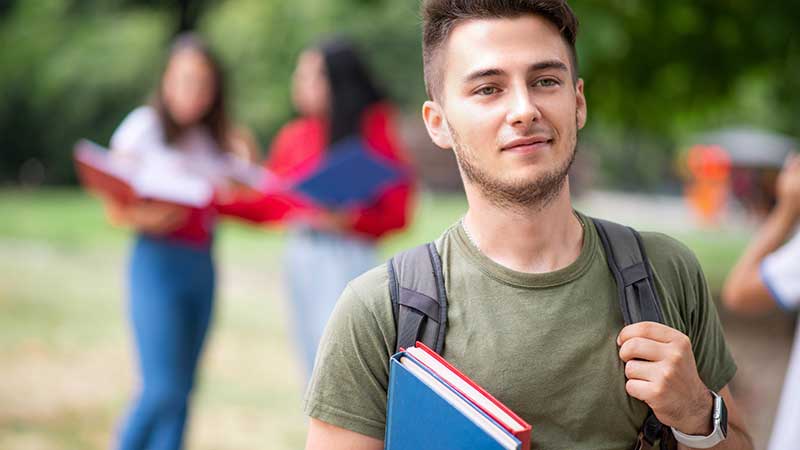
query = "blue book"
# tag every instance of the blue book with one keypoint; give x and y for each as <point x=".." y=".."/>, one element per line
<point x="425" y="412"/>
<point x="349" y="176"/>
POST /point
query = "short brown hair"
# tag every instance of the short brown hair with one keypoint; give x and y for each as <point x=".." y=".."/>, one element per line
<point x="439" y="17"/>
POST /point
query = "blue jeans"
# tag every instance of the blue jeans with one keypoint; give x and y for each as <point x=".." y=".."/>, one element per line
<point x="318" y="267"/>
<point x="171" y="297"/>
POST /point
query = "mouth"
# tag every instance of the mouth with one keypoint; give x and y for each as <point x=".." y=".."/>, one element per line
<point x="527" y="145"/>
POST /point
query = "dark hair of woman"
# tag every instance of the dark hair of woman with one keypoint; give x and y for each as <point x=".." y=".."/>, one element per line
<point x="351" y="87"/>
<point x="216" y="118"/>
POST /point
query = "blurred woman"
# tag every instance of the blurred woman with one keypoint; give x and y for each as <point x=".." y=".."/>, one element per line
<point x="171" y="273"/>
<point x="336" y="99"/>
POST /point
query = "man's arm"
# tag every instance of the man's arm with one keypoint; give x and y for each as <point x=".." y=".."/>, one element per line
<point x="324" y="436"/>
<point x="662" y="372"/>
<point x="744" y="290"/>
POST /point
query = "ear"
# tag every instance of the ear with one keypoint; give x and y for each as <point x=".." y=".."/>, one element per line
<point x="580" y="104"/>
<point x="436" y="124"/>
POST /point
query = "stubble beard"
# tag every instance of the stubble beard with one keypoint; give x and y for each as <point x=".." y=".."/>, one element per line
<point x="521" y="194"/>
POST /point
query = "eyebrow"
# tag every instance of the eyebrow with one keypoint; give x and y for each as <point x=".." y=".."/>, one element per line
<point x="536" y="67"/>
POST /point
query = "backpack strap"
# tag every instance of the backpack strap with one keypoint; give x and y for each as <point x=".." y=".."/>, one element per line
<point x="628" y="262"/>
<point x="419" y="301"/>
<point x="627" y="259"/>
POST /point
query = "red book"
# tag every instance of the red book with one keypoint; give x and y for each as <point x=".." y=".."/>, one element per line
<point x="472" y="391"/>
<point x="129" y="179"/>
<point x="97" y="176"/>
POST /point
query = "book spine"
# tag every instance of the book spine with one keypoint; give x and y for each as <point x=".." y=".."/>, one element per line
<point x="394" y="362"/>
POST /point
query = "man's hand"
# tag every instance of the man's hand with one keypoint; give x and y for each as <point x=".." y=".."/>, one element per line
<point x="662" y="372"/>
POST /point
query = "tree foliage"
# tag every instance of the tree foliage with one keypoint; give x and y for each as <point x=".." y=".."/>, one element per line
<point x="655" y="72"/>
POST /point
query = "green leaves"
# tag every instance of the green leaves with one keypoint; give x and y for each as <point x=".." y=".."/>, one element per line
<point x="657" y="70"/>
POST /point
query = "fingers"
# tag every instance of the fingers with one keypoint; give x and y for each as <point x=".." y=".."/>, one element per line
<point x="642" y="348"/>
<point x="641" y="370"/>
<point x="792" y="162"/>
<point x="650" y="330"/>
<point x="793" y="165"/>
<point x="639" y="389"/>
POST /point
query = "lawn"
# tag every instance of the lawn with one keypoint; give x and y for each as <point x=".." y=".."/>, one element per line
<point x="65" y="353"/>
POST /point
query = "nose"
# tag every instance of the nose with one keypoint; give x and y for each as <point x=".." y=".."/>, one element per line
<point x="522" y="108"/>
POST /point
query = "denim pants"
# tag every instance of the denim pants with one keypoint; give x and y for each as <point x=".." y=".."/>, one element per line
<point x="318" y="266"/>
<point x="171" y="295"/>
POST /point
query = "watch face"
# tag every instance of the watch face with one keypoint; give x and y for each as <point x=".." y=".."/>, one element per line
<point x="723" y="422"/>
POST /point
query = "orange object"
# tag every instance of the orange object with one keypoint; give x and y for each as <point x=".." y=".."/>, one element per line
<point x="708" y="188"/>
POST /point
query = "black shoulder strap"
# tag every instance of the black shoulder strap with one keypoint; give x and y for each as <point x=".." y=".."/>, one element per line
<point x="628" y="262"/>
<point x="639" y="302"/>
<point x="419" y="301"/>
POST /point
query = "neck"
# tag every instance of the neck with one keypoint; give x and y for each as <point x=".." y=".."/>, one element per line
<point x="535" y="239"/>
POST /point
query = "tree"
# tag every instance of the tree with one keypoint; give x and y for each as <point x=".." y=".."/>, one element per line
<point x="655" y="72"/>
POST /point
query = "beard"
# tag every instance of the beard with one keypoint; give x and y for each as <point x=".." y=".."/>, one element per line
<point x="520" y="194"/>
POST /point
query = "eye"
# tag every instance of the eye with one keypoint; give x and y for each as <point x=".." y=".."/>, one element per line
<point x="547" y="82"/>
<point x="487" y="90"/>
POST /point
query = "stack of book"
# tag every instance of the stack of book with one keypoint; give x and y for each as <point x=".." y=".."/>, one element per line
<point x="432" y="406"/>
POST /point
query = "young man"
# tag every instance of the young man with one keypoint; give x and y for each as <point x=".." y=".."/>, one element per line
<point x="768" y="276"/>
<point x="533" y="309"/>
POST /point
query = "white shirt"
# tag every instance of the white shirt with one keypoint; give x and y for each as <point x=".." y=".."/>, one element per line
<point x="141" y="135"/>
<point x="187" y="171"/>
<point x="780" y="272"/>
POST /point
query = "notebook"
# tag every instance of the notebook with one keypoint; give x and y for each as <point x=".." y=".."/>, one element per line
<point x="349" y="176"/>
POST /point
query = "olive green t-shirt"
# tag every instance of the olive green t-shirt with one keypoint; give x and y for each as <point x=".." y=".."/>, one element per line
<point x="543" y="344"/>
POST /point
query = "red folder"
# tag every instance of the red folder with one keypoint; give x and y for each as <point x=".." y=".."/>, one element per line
<point x="521" y="429"/>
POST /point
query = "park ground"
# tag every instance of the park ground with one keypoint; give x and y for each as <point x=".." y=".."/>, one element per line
<point x="66" y="356"/>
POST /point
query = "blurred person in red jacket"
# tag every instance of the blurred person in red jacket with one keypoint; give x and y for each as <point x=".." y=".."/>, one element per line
<point x="336" y="99"/>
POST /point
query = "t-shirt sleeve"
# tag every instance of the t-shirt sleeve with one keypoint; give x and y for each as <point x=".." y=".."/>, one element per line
<point x="140" y="131"/>
<point x="780" y="272"/>
<point x="349" y="384"/>
<point x="689" y="301"/>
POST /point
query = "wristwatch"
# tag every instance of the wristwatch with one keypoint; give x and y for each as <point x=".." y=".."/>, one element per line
<point x="719" y="418"/>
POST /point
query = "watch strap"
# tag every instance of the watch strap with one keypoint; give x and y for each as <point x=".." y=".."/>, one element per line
<point x="719" y="418"/>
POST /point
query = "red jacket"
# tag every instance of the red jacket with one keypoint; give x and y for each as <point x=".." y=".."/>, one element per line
<point x="299" y="148"/>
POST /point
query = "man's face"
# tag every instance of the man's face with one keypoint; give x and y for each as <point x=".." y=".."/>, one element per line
<point x="508" y="107"/>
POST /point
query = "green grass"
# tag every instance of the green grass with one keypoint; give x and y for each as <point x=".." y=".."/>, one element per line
<point x="717" y="251"/>
<point x="65" y="352"/>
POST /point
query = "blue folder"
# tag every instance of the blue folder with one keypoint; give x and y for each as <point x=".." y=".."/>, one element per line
<point x="419" y="417"/>
<point x="349" y="176"/>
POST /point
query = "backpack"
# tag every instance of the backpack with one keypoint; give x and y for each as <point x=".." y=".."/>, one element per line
<point x="419" y="301"/>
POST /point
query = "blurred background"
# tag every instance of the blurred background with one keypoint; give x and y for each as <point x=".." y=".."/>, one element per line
<point x="669" y="85"/>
